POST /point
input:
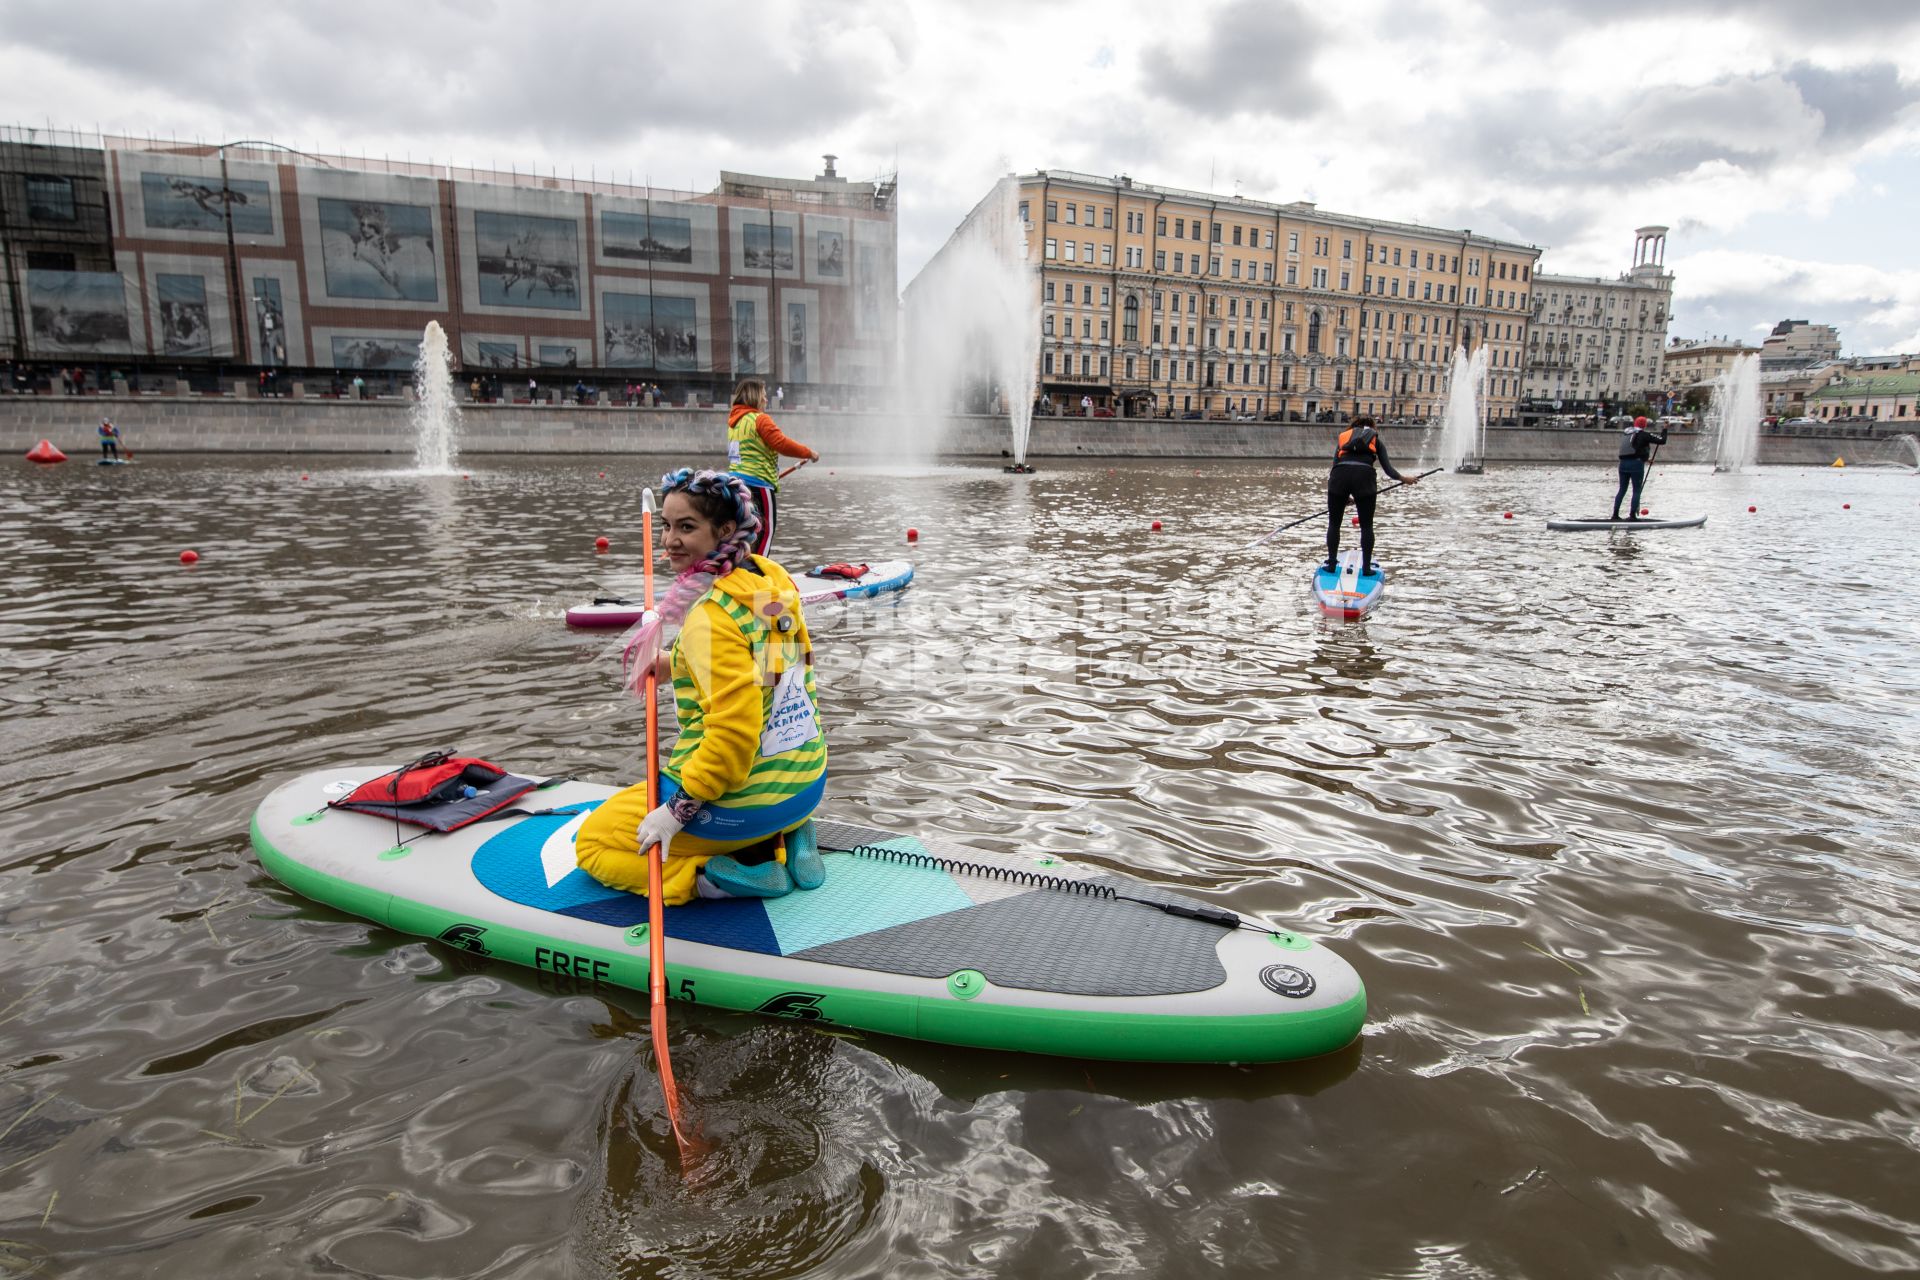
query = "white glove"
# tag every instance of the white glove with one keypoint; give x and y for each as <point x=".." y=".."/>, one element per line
<point x="659" y="827"/>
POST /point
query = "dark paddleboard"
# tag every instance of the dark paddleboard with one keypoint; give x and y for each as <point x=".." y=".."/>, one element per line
<point x="1573" y="524"/>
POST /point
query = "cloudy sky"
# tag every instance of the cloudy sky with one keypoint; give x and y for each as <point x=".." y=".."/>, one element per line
<point x="1779" y="139"/>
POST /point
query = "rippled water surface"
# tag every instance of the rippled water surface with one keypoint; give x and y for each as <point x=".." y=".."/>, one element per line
<point x="1619" y="830"/>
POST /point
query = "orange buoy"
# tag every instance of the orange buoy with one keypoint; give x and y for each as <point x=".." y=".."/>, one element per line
<point x="45" y="451"/>
<point x="189" y="557"/>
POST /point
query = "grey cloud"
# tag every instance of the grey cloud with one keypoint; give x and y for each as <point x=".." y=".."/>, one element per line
<point x="1257" y="57"/>
<point x="623" y="72"/>
<point x="1797" y="16"/>
<point x="1854" y="104"/>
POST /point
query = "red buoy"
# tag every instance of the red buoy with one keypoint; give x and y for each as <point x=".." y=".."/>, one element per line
<point x="1356" y="522"/>
<point x="1156" y="526"/>
<point x="601" y="544"/>
<point x="1846" y="506"/>
<point x="303" y="475"/>
<point x="1751" y="510"/>
<point x="1507" y="516"/>
<point x="189" y="557"/>
<point x="913" y="535"/>
<point x="45" y="451"/>
<point x="603" y="475"/>
<point x="1644" y="511"/>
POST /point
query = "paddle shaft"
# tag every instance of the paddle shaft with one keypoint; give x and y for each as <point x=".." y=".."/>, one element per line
<point x="656" y="922"/>
<point x="1324" y="510"/>
<point x="795" y="467"/>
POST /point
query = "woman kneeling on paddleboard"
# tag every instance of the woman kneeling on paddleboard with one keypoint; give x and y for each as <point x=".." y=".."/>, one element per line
<point x="751" y="762"/>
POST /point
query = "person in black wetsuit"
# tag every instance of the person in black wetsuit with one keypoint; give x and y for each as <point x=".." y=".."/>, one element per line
<point x="1636" y="444"/>
<point x="1354" y="454"/>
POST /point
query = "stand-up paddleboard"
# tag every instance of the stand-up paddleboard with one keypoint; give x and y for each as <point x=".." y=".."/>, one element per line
<point x="814" y="588"/>
<point x="113" y="462"/>
<point x="1346" y="593"/>
<point x="908" y="936"/>
<point x="1574" y="524"/>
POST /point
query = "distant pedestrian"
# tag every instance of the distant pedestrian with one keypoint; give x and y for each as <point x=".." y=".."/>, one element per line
<point x="1086" y="406"/>
<point x="780" y="397"/>
<point x="533" y="390"/>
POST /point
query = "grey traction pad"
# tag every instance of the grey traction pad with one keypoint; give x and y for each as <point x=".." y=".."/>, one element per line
<point x="1031" y="937"/>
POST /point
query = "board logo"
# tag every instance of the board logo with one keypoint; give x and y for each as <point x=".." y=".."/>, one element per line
<point x="466" y="937"/>
<point x="803" y="1006"/>
<point x="1295" y="984"/>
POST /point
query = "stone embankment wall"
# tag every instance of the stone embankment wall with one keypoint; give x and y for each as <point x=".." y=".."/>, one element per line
<point x="217" y="424"/>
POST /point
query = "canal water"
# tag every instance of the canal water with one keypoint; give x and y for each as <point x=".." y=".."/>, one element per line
<point x="1618" y="829"/>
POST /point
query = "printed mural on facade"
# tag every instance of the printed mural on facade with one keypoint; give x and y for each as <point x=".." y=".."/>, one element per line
<point x="527" y="261"/>
<point x="378" y="249"/>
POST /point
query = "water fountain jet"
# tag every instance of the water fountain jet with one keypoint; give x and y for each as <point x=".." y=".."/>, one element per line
<point x="435" y="412"/>
<point x="1733" y="415"/>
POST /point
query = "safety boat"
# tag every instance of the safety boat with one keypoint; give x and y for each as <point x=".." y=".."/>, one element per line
<point x="910" y="935"/>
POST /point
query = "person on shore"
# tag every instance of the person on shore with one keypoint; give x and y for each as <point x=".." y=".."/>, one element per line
<point x="1636" y="446"/>
<point x="755" y="445"/>
<point x="1355" y="452"/>
<point x="750" y="766"/>
<point x="109" y="439"/>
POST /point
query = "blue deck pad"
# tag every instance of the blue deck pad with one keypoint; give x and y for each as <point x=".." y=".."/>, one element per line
<point x="861" y="895"/>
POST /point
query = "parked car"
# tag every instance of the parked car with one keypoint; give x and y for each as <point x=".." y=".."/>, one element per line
<point x="1103" y="413"/>
<point x="1800" y="422"/>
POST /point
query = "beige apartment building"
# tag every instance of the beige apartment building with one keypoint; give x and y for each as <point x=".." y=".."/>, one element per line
<point x="1596" y="341"/>
<point x="1690" y="363"/>
<point x="1173" y="303"/>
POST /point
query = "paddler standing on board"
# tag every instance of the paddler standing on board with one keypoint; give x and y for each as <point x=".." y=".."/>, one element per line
<point x="738" y="792"/>
<point x="754" y="447"/>
<point x="1352" y="477"/>
<point x="1636" y="445"/>
<point x="109" y="439"/>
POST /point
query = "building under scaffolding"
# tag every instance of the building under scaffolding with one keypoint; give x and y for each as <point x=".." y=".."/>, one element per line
<point x="175" y="257"/>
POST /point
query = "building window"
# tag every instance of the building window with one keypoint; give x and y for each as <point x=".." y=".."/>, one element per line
<point x="1053" y="211"/>
<point x="1106" y="255"/>
<point x="1313" y="333"/>
<point x="1293" y="242"/>
<point x="1236" y="267"/>
<point x="1103" y="366"/>
<point x="50" y="199"/>
<point x="1159" y="259"/>
<point x="1073" y="211"/>
<point x="1046" y="364"/>
<point x="1160" y="225"/>
<point x="1179" y="228"/>
<point x="1269" y="240"/>
<point x="1073" y="249"/>
<point x="1106" y="329"/>
<point x="1049" y="291"/>
<point x="1106" y="219"/>
<point x="1046" y="324"/>
<point x="1088" y="246"/>
<point x="1293" y="274"/>
<point x="1086" y="326"/>
<point x="1236" y="235"/>
<point x="1086" y="294"/>
<point x="1106" y="296"/>
<point x="1129" y="368"/>
<point x="1053" y="248"/>
<point x="1023" y="212"/>
<point x="1156" y="369"/>
<point x="1179" y="262"/>
<point x="1266" y="272"/>
<point x="1216" y="233"/>
<point x="1213" y="268"/>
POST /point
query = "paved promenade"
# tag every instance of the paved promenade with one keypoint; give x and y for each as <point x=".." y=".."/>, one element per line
<point x="215" y="424"/>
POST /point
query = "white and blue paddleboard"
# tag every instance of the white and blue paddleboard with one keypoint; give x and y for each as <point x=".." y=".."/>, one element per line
<point x="1631" y="524"/>
<point x="1347" y="593"/>
<point x="881" y="578"/>
<point x="909" y="935"/>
